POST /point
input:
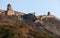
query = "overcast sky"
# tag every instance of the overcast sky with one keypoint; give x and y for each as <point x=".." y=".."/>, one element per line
<point x="40" y="7"/>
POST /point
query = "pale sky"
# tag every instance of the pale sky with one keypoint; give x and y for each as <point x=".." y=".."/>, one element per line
<point x="40" y="7"/>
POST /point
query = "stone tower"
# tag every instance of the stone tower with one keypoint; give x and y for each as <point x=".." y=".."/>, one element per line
<point x="48" y="13"/>
<point x="9" y="7"/>
<point x="9" y="11"/>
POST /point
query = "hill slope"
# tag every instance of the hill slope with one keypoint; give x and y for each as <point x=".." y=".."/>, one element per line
<point x="10" y="27"/>
<point x="51" y="23"/>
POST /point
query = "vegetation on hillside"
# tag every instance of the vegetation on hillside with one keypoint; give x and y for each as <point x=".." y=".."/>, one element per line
<point x="20" y="29"/>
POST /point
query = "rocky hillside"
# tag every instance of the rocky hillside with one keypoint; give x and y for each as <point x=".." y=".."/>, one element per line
<point x="51" y="23"/>
<point x="15" y="24"/>
<point x="12" y="27"/>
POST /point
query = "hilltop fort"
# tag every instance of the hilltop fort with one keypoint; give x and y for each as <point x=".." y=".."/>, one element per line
<point x="27" y="25"/>
<point x="10" y="11"/>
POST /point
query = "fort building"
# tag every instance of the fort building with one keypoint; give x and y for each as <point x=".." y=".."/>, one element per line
<point x="10" y="11"/>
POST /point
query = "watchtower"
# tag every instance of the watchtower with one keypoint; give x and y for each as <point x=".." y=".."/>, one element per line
<point x="48" y="13"/>
<point x="9" y="7"/>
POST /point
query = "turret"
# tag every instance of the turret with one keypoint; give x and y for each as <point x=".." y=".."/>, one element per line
<point x="48" y="13"/>
<point x="9" y="7"/>
<point x="9" y="10"/>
